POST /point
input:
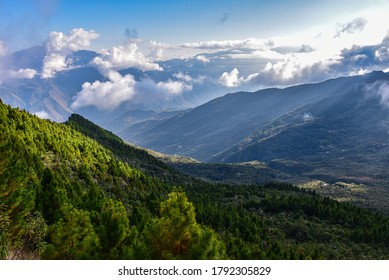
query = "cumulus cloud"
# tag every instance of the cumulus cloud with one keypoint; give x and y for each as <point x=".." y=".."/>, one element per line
<point x="232" y="79"/>
<point x="293" y="71"/>
<point x="356" y="25"/>
<point x="122" y="57"/>
<point x="53" y="63"/>
<point x="202" y="58"/>
<point x="119" y="89"/>
<point x="106" y="95"/>
<point x="59" y="45"/>
<point x="157" y="50"/>
<point x="76" y="40"/>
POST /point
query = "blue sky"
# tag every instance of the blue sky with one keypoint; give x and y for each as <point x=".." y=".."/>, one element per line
<point x="27" y="22"/>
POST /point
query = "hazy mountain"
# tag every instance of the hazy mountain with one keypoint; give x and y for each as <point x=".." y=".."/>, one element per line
<point x="52" y="97"/>
<point x="29" y="58"/>
<point x="131" y="123"/>
<point x="343" y="137"/>
<point x="216" y="126"/>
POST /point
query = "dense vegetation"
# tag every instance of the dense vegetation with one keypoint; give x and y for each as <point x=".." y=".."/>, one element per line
<point x="75" y="191"/>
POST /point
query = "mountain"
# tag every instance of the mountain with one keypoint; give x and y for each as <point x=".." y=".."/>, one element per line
<point x="183" y="84"/>
<point x="352" y="126"/>
<point x="331" y="134"/>
<point x="52" y="96"/>
<point x="133" y="122"/>
<point x="76" y="191"/>
<point x="221" y="123"/>
<point x="334" y="115"/>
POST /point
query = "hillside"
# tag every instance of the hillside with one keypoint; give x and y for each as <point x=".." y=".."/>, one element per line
<point x="65" y="195"/>
<point x="219" y="124"/>
<point x="333" y="132"/>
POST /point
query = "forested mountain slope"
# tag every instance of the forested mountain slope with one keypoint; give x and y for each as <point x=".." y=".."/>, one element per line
<point x="65" y="195"/>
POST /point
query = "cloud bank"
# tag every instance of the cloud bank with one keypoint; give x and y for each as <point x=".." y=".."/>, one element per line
<point x="250" y="43"/>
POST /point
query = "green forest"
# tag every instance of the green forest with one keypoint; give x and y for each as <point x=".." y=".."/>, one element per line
<point x="77" y="191"/>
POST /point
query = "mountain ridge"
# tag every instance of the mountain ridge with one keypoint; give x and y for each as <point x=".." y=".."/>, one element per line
<point x="217" y="125"/>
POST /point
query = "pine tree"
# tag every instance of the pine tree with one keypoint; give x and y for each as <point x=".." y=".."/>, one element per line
<point x="176" y="234"/>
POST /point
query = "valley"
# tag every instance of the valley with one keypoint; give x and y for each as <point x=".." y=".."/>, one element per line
<point x="334" y="133"/>
<point x="77" y="191"/>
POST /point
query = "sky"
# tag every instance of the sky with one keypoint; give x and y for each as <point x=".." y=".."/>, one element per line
<point x="240" y="44"/>
<point x="27" y="22"/>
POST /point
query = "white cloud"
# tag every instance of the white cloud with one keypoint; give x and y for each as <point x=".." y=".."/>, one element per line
<point x="202" y="58"/>
<point x="119" y="89"/>
<point x="122" y="57"/>
<point x="22" y="74"/>
<point x="232" y="79"/>
<point x="250" y="43"/>
<point x="59" y="45"/>
<point x="307" y="117"/>
<point x="42" y="114"/>
<point x="6" y="73"/>
<point x="294" y="70"/>
<point x="182" y="76"/>
<point x="150" y="92"/>
<point x="53" y="63"/>
<point x="188" y="79"/>
<point x="361" y="71"/>
<point x="106" y="95"/>
<point x="157" y="50"/>
<point x="174" y="87"/>
<point x="77" y="39"/>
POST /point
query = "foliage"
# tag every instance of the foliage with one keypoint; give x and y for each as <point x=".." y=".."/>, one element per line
<point x="176" y="233"/>
<point x="75" y="191"/>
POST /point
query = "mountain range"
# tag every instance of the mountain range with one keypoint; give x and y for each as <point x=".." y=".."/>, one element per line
<point x="339" y="118"/>
<point x="332" y="131"/>
<point x="52" y="97"/>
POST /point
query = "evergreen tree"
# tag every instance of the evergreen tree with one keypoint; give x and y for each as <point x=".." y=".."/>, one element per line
<point x="177" y="235"/>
